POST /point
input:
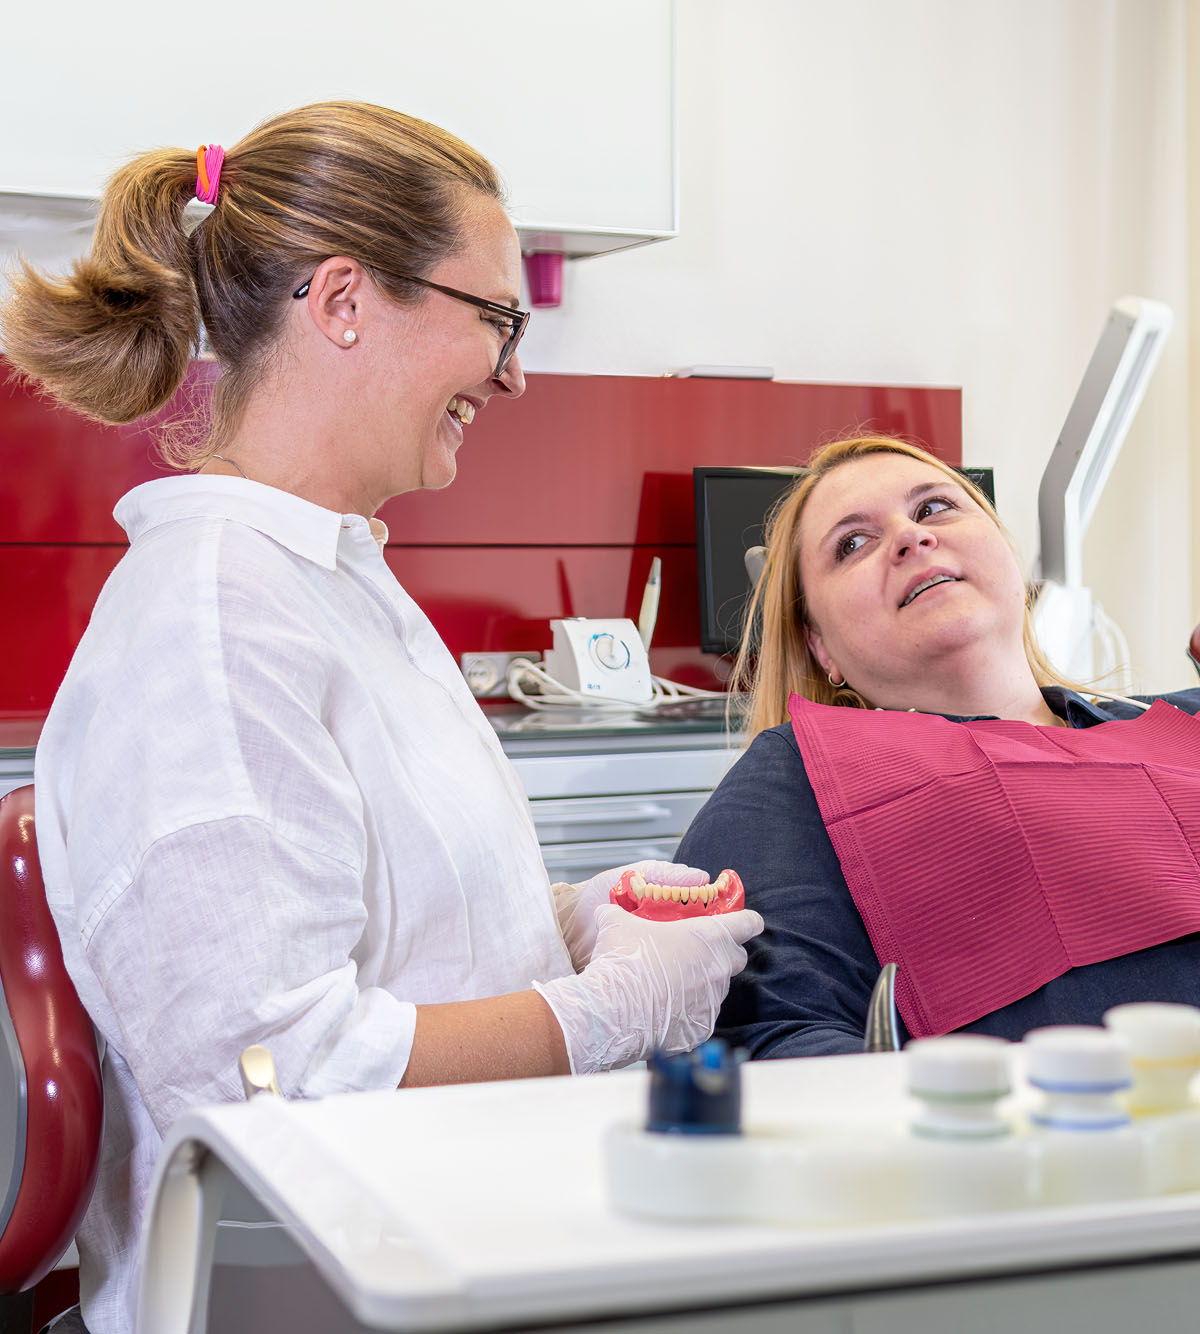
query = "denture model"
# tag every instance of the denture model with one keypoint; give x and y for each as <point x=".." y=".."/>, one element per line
<point x="668" y="903"/>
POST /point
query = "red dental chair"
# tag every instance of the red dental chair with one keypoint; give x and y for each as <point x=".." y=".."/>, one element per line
<point x="51" y="1100"/>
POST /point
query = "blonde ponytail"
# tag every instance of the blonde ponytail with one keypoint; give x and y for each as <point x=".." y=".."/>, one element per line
<point x="114" y="337"/>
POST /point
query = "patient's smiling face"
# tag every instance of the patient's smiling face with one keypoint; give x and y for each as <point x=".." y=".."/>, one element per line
<point x="903" y="575"/>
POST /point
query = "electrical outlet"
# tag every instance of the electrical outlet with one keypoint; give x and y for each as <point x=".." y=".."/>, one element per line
<point x="486" y="672"/>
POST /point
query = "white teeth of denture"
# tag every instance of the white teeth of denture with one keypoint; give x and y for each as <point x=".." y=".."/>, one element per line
<point x="642" y="889"/>
<point x="463" y="409"/>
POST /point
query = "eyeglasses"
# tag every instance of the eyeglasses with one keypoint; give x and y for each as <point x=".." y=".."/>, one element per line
<point x="514" y="320"/>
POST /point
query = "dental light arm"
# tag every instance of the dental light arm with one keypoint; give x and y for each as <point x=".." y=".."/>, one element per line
<point x="1067" y="620"/>
<point x="1111" y="392"/>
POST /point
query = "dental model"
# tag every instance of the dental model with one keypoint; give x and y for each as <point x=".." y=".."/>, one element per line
<point x="669" y="903"/>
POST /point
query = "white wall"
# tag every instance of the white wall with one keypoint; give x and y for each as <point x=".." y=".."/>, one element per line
<point x="906" y="191"/>
<point x="933" y="192"/>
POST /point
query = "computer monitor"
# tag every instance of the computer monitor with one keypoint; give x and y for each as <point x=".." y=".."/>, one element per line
<point x="732" y="506"/>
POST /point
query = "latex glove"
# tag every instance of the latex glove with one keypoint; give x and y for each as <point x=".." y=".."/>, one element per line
<point x="575" y="905"/>
<point x="649" y="985"/>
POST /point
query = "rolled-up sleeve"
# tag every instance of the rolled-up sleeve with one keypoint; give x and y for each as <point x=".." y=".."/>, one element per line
<point x="229" y="935"/>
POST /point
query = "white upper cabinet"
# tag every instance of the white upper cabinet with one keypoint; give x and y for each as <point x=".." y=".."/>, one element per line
<point x="573" y="100"/>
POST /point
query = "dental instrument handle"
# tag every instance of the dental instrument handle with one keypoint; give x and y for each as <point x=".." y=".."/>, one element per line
<point x="257" y="1069"/>
<point x="882" y="1032"/>
<point x="648" y="615"/>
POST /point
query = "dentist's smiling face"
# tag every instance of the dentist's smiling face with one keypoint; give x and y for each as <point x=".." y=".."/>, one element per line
<point x="903" y="574"/>
<point x="430" y="365"/>
<point x="464" y="342"/>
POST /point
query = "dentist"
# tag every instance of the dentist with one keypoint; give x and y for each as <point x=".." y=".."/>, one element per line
<point x="269" y="810"/>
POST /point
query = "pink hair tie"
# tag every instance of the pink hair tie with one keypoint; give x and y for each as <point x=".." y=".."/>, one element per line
<point x="208" y="172"/>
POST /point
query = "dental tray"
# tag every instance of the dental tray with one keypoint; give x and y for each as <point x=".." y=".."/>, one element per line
<point x="481" y="1206"/>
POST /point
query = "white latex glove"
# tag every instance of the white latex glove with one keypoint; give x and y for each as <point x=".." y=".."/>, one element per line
<point x="575" y="905"/>
<point x="649" y="985"/>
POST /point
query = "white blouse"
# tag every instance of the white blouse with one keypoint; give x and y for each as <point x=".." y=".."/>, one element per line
<point x="268" y="811"/>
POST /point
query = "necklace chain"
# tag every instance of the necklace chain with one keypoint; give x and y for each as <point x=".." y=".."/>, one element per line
<point x="231" y="463"/>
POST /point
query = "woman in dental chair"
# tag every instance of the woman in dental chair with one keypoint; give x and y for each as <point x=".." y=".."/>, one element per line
<point x="923" y="789"/>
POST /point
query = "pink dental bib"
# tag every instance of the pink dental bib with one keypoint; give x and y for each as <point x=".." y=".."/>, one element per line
<point x="987" y="858"/>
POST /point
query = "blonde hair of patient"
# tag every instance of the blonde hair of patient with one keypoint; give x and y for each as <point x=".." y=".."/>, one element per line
<point x="783" y="662"/>
<point x="114" y="337"/>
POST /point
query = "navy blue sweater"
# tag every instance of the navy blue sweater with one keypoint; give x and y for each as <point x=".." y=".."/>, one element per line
<point x="809" y="979"/>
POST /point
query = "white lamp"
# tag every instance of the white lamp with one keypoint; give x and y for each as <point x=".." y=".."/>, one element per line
<point x="1065" y="615"/>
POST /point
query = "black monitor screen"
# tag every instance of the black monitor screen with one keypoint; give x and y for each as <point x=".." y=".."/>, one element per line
<point x="984" y="479"/>
<point x="731" y="510"/>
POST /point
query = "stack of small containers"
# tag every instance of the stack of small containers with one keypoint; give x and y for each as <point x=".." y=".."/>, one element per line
<point x="1111" y="1118"/>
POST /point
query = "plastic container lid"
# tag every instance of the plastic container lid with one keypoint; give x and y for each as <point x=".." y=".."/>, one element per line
<point x="697" y="1092"/>
<point x="959" y="1067"/>
<point x="1158" y="1031"/>
<point x="1073" y="1058"/>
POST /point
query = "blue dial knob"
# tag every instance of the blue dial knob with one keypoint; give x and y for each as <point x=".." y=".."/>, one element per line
<point x="610" y="652"/>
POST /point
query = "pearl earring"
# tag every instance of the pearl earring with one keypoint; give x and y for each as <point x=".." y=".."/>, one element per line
<point x="349" y="336"/>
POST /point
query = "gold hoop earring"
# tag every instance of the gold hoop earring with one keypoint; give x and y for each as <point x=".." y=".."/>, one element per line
<point x="837" y="685"/>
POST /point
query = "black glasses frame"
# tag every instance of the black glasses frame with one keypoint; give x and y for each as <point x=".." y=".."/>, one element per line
<point x="518" y="319"/>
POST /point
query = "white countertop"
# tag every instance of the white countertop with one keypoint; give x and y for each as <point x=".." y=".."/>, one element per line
<point x="471" y="1206"/>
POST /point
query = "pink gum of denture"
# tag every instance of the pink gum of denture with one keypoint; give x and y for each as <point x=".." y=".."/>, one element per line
<point x="635" y="895"/>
